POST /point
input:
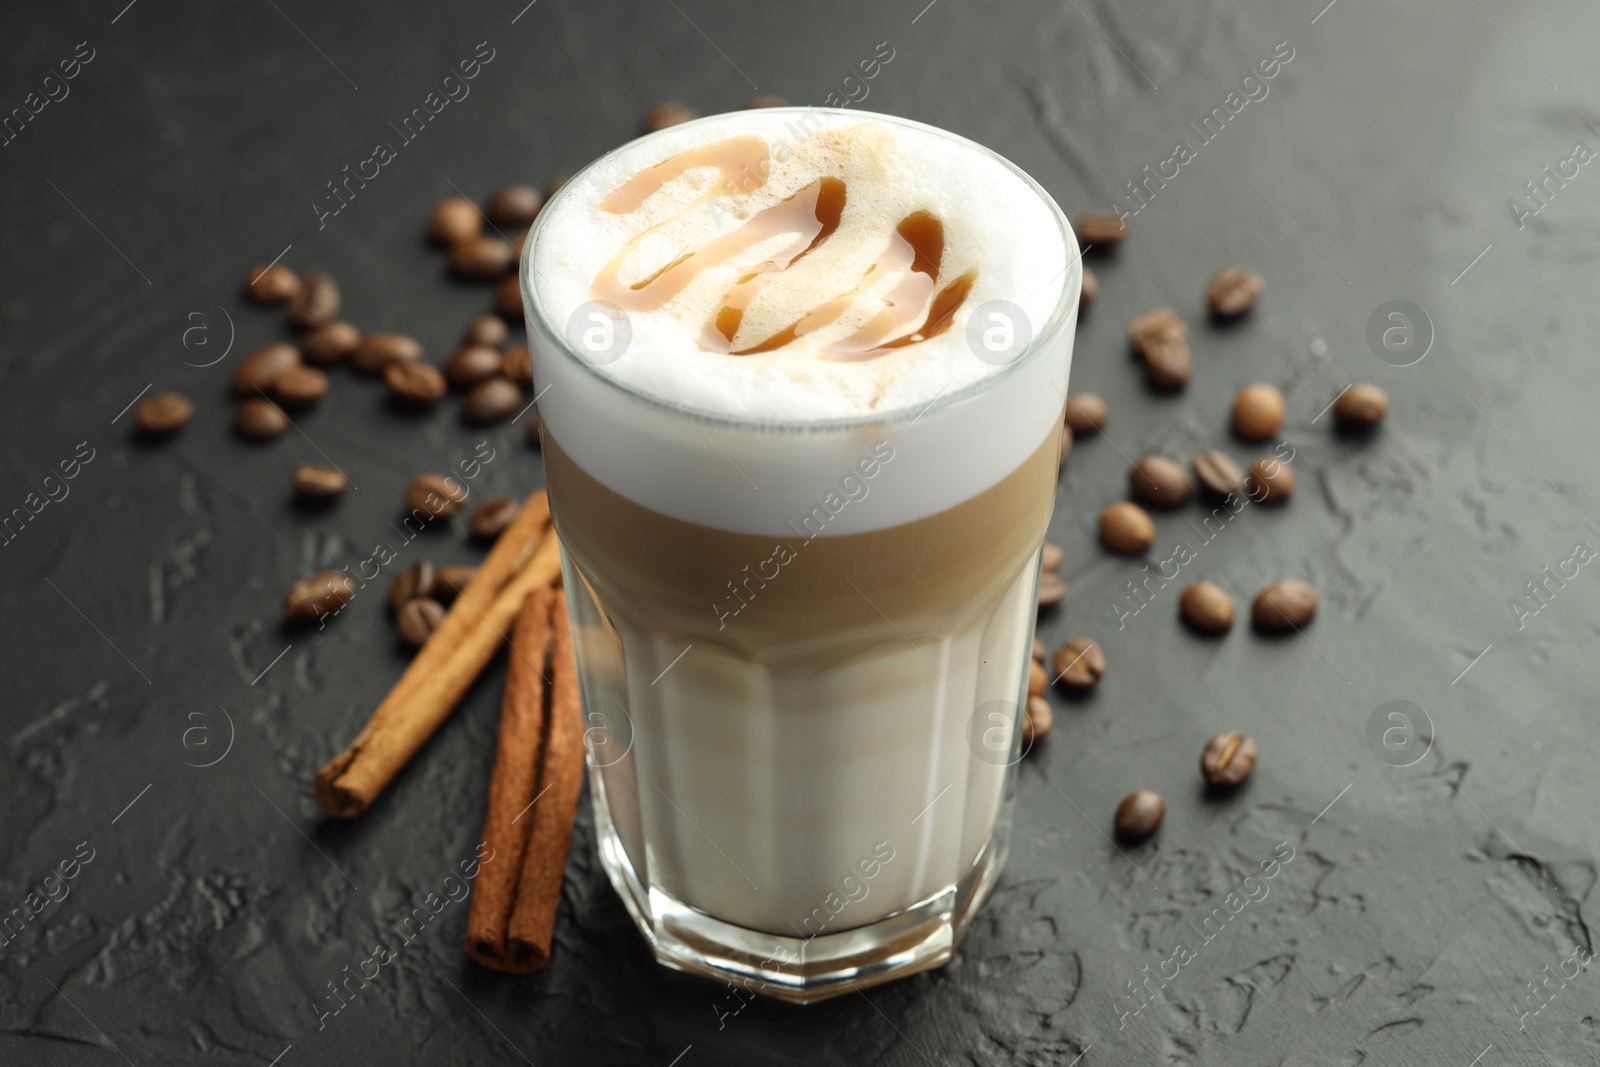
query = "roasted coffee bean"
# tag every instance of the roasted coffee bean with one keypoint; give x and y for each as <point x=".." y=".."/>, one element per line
<point x="1037" y="718"/>
<point x="1052" y="588"/>
<point x="667" y="114"/>
<point x="1052" y="557"/>
<point x="1361" y="407"/>
<point x="508" y="296"/>
<point x="1271" y="481"/>
<point x="1206" y="607"/>
<point x="1228" y="759"/>
<point x="317" y="302"/>
<point x="1257" y="412"/>
<point x="1038" y="680"/>
<point x="514" y="205"/>
<point x="518" y="366"/>
<point x="1039" y="652"/>
<point x="414" y="383"/>
<point x="454" y="220"/>
<point x="1067" y="439"/>
<point x="256" y="373"/>
<point x="1078" y="664"/>
<point x="416" y="580"/>
<point x="1086" y="412"/>
<point x="1101" y="230"/>
<point x="417" y="619"/>
<point x="491" y="400"/>
<point x="435" y="495"/>
<point x="471" y="364"/>
<point x="1233" y="292"/>
<point x="271" y="285"/>
<point x="452" y="580"/>
<point x="490" y="518"/>
<point x="1139" y="815"/>
<point x="482" y="258"/>
<point x="330" y="343"/>
<point x="318" y="481"/>
<point x="377" y="350"/>
<point x="534" y="431"/>
<point x="1159" y="481"/>
<point x="300" y="387"/>
<point x="487" y="330"/>
<point x="1217" y="473"/>
<point x="1126" y="528"/>
<point x="1152" y="326"/>
<point x="260" y="419"/>
<point x="1090" y="291"/>
<point x="765" y="101"/>
<point x="320" y="594"/>
<point x="1168" y="365"/>
<point x="162" y="414"/>
<point x="1284" y="605"/>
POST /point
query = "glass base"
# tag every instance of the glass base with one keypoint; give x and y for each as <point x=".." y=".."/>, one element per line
<point x="804" y="970"/>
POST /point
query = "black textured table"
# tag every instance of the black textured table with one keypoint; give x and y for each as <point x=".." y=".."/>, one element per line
<point x="1433" y="911"/>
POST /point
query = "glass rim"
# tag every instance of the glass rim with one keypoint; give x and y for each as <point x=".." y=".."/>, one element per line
<point x="1063" y="314"/>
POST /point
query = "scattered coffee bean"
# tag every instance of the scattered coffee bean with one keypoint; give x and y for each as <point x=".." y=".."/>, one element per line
<point x="514" y="205"/>
<point x="1217" y="473"/>
<point x="1090" y="291"/>
<point x="490" y="518"/>
<point x="491" y="400"/>
<point x="416" y="580"/>
<point x="1126" y="528"/>
<point x="482" y="258"/>
<point x="1207" y="607"/>
<point x="487" y="330"/>
<point x="1052" y="557"/>
<point x="508" y="297"/>
<point x="417" y="619"/>
<point x="1037" y="718"/>
<point x="318" y="481"/>
<point x="1154" y="326"/>
<point x="1257" y="412"/>
<point x="1086" y="412"/>
<point x="765" y="101"/>
<point x="1052" y="588"/>
<point x="271" y="285"/>
<point x="1228" y="759"/>
<point x="1079" y="664"/>
<point x="1361" y="407"/>
<point x="260" y="419"/>
<point x="317" y="302"/>
<point x="1233" y="292"/>
<point x="320" y="594"/>
<point x="534" y="431"/>
<point x="452" y="580"/>
<point x="1271" y="481"/>
<point x="1160" y="339"/>
<point x="1038" y="680"/>
<point x="330" y="343"/>
<point x="1159" y="481"/>
<point x="518" y="366"/>
<point x="413" y="383"/>
<point x="667" y="114"/>
<point x="1067" y="439"/>
<point x="1039" y="652"/>
<point x="1101" y="230"/>
<point x="454" y="220"/>
<point x="1284" y="605"/>
<point x="256" y="373"/>
<point x="471" y="364"/>
<point x="1139" y="815"/>
<point x="435" y="495"/>
<point x="162" y="414"/>
<point x="377" y="350"/>
<point x="300" y="387"/>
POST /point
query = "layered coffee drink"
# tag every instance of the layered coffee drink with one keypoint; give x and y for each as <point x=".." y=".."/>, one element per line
<point x="801" y="379"/>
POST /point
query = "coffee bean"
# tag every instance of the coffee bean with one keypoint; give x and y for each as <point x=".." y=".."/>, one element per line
<point x="162" y="414"/>
<point x="414" y="383"/>
<point x="534" y="431"/>
<point x="1361" y="407"/>
<point x="452" y="580"/>
<point x="1257" y="412"/>
<point x="1086" y="412"/>
<point x="1039" y="652"/>
<point x="1271" y="481"/>
<point x="514" y="205"/>
<point x="1090" y="291"/>
<point x="1228" y="759"/>
<point x="1101" y="230"/>
<point x="417" y="619"/>
<point x="454" y="220"/>
<point x="1052" y="557"/>
<point x="490" y="518"/>
<point x="471" y="364"/>
<point x="320" y="594"/>
<point x="487" y="330"/>
<point x="317" y="302"/>
<point x="518" y="366"/>
<point x="1284" y="605"/>
<point x="1038" y="680"/>
<point x="271" y="285"/>
<point x="667" y="114"/>
<point x="1067" y="439"/>
<point x="435" y="495"/>
<point x="1154" y="326"/>
<point x="491" y="400"/>
<point x="256" y="373"/>
<point x="1126" y="528"/>
<point x="377" y="350"/>
<point x="318" y="481"/>
<point x="1037" y="718"/>
<point x="260" y="419"/>
<point x="1078" y="664"/>
<point x="1139" y="815"/>
<point x="1217" y="473"/>
<point x="1051" y="589"/>
<point x="1206" y="607"/>
<point x="765" y="101"/>
<point x="300" y="387"/>
<point x="508" y="297"/>
<point x="1159" y="481"/>
<point x="1160" y="339"/>
<point x="482" y="258"/>
<point x="330" y="343"/>
<point x="1233" y="292"/>
<point x="416" y="580"/>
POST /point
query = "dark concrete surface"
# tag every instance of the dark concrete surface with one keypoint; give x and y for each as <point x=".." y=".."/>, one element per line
<point x="142" y="635"/>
